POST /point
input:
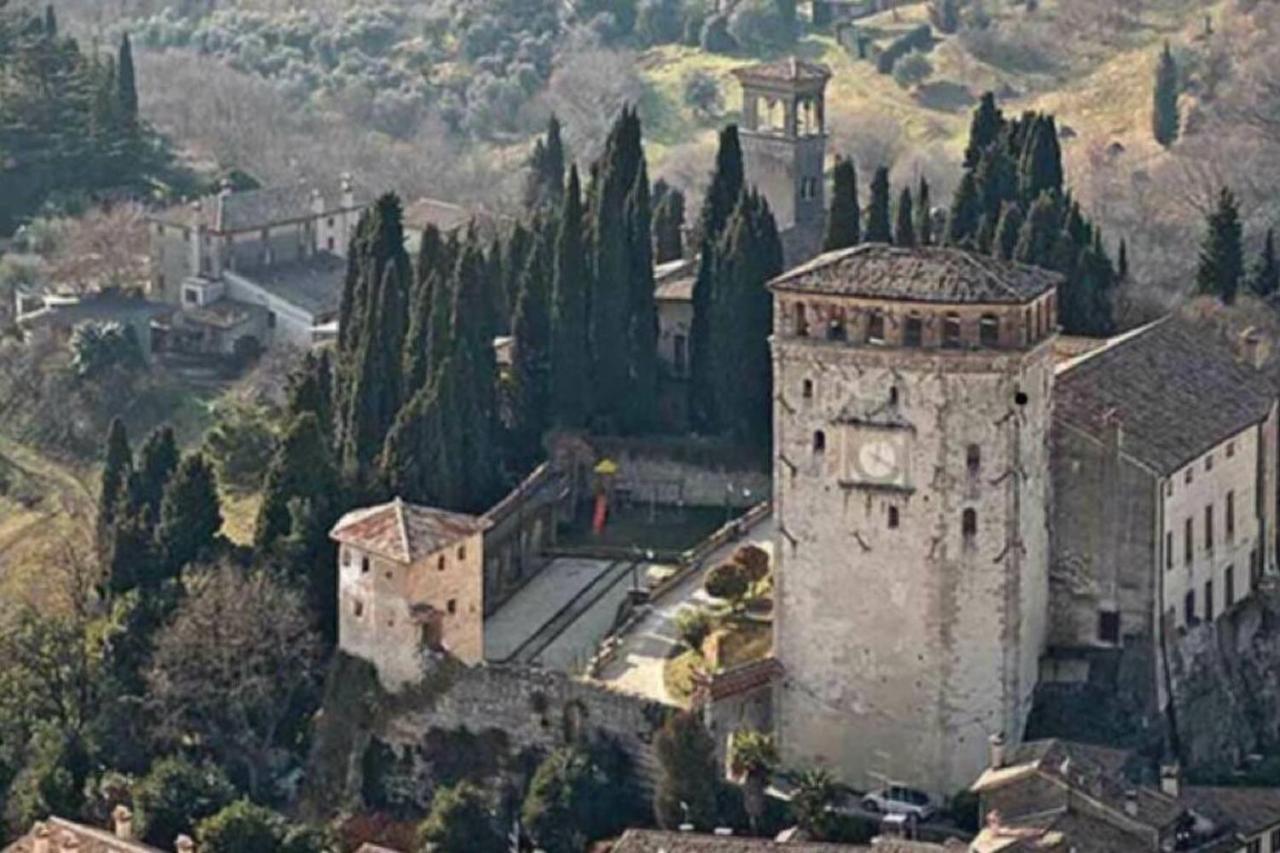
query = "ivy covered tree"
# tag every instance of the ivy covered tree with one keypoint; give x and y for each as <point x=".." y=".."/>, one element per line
<point x="1164" y="115"/>
<point x="844" y="217"/>
<point x="1221" y="252"/>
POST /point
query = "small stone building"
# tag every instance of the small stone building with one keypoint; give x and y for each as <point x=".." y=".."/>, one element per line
<point x="410" y="579"/>
<point x="58" y="835"/>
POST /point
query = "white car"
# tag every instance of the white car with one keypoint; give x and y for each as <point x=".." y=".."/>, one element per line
<point x="897" y="799"/>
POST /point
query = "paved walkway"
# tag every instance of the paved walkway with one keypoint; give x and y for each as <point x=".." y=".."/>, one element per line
<point x="538" y="602"/>
<point x="638" y="665"/>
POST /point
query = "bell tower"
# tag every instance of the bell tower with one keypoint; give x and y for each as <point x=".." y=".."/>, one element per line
<point x="912" y="405"/>
<point x="784" y="147"/>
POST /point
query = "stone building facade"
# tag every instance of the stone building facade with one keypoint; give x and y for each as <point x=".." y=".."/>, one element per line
<point x="913" y="397"/>
<point x="410" y="580"/>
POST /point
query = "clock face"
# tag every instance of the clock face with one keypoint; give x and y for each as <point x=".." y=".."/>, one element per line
<point x="879" y="459"/>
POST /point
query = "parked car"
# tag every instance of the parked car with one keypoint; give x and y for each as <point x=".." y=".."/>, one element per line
<point x="898" y="799"/>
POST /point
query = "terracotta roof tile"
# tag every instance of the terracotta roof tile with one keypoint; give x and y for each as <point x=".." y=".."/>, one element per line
<point x="925" y="274"/>
<point x="404" y="532"/>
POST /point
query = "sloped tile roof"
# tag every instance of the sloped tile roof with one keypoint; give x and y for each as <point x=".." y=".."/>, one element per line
<point x="655" y="841"/>
<point x="925" y="274"/>
<point x="91" y="839"/>
<point x="313" y="284"/>
<point x="246" y="210"/>
<point x="790" y="70"/>
<point x="1174" y="390"/>
<point x="404" y="532"/>
<point x="1246" y="810"/>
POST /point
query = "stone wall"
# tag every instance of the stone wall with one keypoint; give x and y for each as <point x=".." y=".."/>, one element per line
<point x="689" y="471"/>
<point x="535" y="711"/>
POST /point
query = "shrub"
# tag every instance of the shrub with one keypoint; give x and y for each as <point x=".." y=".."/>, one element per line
<point x="754" y="561"/>
<point x="912" y="70"/>
<point x="760" y="25"/>
<point x="98" y="347"/>
<point x="716" y="37"/>
<point x="727" y="581"/>
<point x="658" y="21"/>
<point x="241" y="827"/>
<point x="177" y="794"/>
<point x="702" y="93"/>
<point x="460" y="822"/>
<point x="240" y="443"/>
<point x="693" y="624"/>
<point x="920" y="38"/>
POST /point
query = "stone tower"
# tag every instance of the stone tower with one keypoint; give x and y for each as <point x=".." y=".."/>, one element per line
<point x="784" y="146"/>
<point x="911" y="482"/>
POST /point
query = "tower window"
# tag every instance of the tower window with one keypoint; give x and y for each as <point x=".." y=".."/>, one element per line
<point x="819" y="441"/>
<point x="364" y="565"/>
<point x="357" y="608"/>
<point x="1208" y="527"/>
<point x="1108" y="626"/>
<point x="807" y="389"/>
<point x="462" y="552"/>
<point x="951" y="331"/>
<point x="440" y="563"/>
<point x="346" y="556"/>
<point x="1189" y="607"/>
<point x="893" y="395"/>
<point x="453" y="606"/>
<point x="989" y="330"/>
<point x="1229" y="586"/>
<point x="802" y="321"/>
<point x="913" y="332"/>
<point x="1021" y="398"/>
<point x="1208" y="601"/>
<point x="1188" y="541"/>
<point x="875" y="327"/>
<point x="836" y="326"/>
<point x="893" y="518"/>
<point x="973" y="459"/>
<point x="969" y="523"/>
<point x="1168" y="549"/>
<point x="1231" y="516"/>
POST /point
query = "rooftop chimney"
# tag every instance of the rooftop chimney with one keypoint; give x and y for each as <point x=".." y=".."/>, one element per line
<point x="1171" y="779"/>
<point x="996" y="750"/>
<point x="123" y="820"/>
<point x="1131" y="803"/>
<point x="40" y="838"/>
<point x="184" y="844"/>
<point x="348" y="192"/>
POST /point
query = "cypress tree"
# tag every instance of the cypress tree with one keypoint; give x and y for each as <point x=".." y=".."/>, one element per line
<point x="718" y="204"/>
<point x="117" y="465"/>
<point x="1266" y="275"/>
<point x="879" y="229"/>
<point x="1039" y="232"/>
<point x="966" y="210"/>
<point x="641" y="402"/>
<point x="157" y="460"/>
<point x="301" y="467"/>
<point x="431" y="268"/>
<point x="844" y="224"/>
<point x="996" y="180"/>
<point x="924" y="215"/>
<point x="1122" y="261"/>
<point x="1091" y="285"/>
<point x="531" y="358"/>
<point x="987" y="125"/>
<point x="668" y="226"/>
<point x="126" y="84"/>
<point x="1222" y="253"/>
<point x="474" y="416"/>
<point x="421" y="459"/>
<point x="570" y="359"/>
<point x="190" y="516"/>
<point x="515" y="257"/>
<point x="545" y="182"/>
<point x="986" y="235"/>
<point x="904" y="230"/>
<point x="131" y="553"/>
<point x="310" y="391"/>
<point x="1007" y="231"/>
<point x="50" y="22"/>
<point x="1164" y="117"/>
<point x="1040" y="169"/>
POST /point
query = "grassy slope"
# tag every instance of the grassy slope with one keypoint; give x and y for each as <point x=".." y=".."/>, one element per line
<point x="1103" y="91"/>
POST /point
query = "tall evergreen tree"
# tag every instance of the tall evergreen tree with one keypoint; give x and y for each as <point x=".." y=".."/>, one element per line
<point x="1039" y="232"/>
<point x="50" y="22"/>
<point x="987" y="125"/>
<point x="370" y="357"/>
<point x="190" y="515"/>
<point x="844" y="225"/>
<point x="640" y="406"/>
<point x="727" y="183"/>
<point x="301" y="467"/>
<point x="157" y="460"/>
<point x="668" y="226"/>
<point x="1222" y="252"/>
<point x="924" y="215"/>
<point x="1008" y="229"/>
<point x="432" y="268"/>
<point x="879" y="227"/>
<point x="531" y="358"/>
<point x="1122" y="261"/>
<point x="117" y="465"/>
<point x="966" y="210"/>
<point x="126" y="83"/>
<point x="422" y="456"/>
<point x="515" y="258"/>
<point x="904" y="229"/>
<point x="570" y="356"/>
<point x="545" y="181"/>
<point x="475" y="368"/>
<point x="1164" y="118"/>
<point x="1265" y="280"/>
<point x="1040" y="169"/>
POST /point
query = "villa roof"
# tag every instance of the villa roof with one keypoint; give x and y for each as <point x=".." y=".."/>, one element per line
<point x="246" y="210"/>
<point x="404" y="532"/>
<point x="444" y="215"/>
<point x="924" y="274"/>
<point x="312" y="284"/>
<point x="1248" y="811"/>
<point x="789" y="70"/>
<point x="1174" y="391"/>
<point x="656" y="841"/>
<point x="90" y="839"/>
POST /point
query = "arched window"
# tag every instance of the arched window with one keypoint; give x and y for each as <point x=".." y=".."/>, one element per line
<point x="969" y="523"/>
<point x="836" y="330"/>
<point x="893" y="518"/>
<point x="875" y="327"/>
<point x="893" y="395"/>
<point x="819" y="441"/>
<point x="989" y="330"/>
<point x="807" y="389"/>
<point x="913" y="332"/>
<point x="951" y="331"/>
<point x="802" y="321"/>
<point x="973" y="459"/>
